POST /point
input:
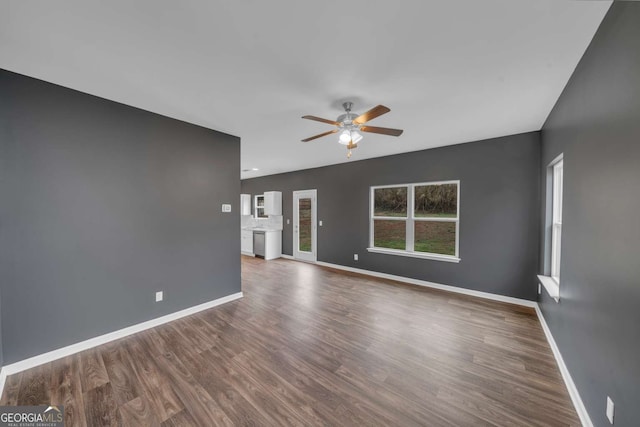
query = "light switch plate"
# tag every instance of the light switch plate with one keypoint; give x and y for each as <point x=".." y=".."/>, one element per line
<point x="226" y="208"/>
<point x="320" y="223"/>
<point x="610" y="409"/>
<point x="355" y="257"/>
<point x="159" y="296"/>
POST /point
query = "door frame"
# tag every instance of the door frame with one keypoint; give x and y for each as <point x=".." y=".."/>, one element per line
<point x="300" y="255"/>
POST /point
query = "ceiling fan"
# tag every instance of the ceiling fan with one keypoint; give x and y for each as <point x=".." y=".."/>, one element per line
<point x="349" y="125"/>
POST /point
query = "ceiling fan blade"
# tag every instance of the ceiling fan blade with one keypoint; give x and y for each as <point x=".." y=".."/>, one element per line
<point x="371" y="114"/>
<point x="320" y="119"/>
<point x="320" y="135"/>
<point x="383" y="131"/>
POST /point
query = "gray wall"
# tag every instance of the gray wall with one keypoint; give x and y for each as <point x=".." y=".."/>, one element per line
<point x="499" y="211"/>
<point x="596" y="124"/>
<point x="103" y="205"/>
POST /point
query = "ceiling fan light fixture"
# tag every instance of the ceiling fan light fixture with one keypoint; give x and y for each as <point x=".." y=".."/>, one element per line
<point x="349" y="136"/>
<point x="345" y="137"/>
<point x="355" y="136"/>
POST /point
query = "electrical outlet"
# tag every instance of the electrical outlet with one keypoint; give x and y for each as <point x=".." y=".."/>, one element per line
<point x="355" y="257"/>
<point x="159" y="296"/>
<point x="287" y="221"/>
<point x="320" y="223"/>
<point x="226" y="208"/>
<point x="539" y="289"/>
<point x="610" y="409"/>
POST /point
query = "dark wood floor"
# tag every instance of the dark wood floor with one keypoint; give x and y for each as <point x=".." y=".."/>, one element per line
<point x="313" y="346"/>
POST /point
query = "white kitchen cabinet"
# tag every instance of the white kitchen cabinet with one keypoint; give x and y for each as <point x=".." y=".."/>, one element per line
<point x="258" y="207"/>
<point x="246" y="242"/>
<point x="245" y="204"/>
<point x="273" y="203"/>
<point x="272" y="244"/>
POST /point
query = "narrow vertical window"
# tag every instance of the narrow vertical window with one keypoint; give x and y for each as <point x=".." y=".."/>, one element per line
<point x="556" y="230"/>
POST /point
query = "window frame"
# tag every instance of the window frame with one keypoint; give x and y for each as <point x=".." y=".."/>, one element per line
<point x="553" y="220"/>
<point x="557" y="168"/>
<point x="410" y="221"/>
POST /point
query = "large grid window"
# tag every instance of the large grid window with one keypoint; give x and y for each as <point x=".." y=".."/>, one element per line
<point x="556" y="227"/>
<point x="419" y="220"/>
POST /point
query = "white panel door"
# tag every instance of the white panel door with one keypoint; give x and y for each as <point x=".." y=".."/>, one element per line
<point x="304" y="225"/>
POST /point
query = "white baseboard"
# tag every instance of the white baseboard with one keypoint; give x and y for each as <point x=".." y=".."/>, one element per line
<point x="479" y="294"/>
<point x="50" y="356"/>
<point x="287" y="256"/>
<point x="566" y="376"/>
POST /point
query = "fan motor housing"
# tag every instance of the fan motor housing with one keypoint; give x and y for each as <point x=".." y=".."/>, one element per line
<point x="346" y="119"/>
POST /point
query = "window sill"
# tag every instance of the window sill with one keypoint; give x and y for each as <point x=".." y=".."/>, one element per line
<point x="435" y="257"/>
<point x="552" y="287"/>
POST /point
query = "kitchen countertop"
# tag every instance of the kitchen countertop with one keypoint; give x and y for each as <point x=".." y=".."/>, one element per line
<point x="262" y="229"/>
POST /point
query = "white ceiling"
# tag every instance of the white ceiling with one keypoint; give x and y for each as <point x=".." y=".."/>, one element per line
<point x="451" y="71"/>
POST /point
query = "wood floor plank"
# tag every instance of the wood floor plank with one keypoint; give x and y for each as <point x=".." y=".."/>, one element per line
<point x="35" y="386"/>
<point x="11" y="390"/>
<point x="120" y="372"/>
<point x="253" y="392"/>
<point x="66" y="389"/>
<point x="93" y="373"/>
<point x="181" y="419"/>
<point x="217" y="384"/>
<point x="302" y="408"/>
<point x="138" y="412"/>
<point x="309" y="345"/>
<point x="153" y="343"/>
<point x="156" y="388"/>
<point x="193" y="396"/>
<point x="192" y="332"/>
<point x="101" y="408"/>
